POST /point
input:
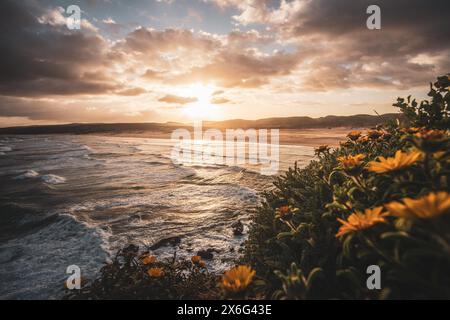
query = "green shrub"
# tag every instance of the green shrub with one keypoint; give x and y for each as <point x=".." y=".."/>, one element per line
<point x="293" y="244"/>
<point x="134" y="275"/>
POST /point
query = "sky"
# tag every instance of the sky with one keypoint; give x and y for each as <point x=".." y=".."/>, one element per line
<point x="183" y="60"/>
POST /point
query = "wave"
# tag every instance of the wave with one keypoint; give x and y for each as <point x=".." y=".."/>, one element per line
<point x="34" y="266"/>
<point x="87" y="148"/>
<point x="5" y="149"/>
<point x="53" y="179"/>
<point x="27" y="175"/>
<point x="47" y="178"/>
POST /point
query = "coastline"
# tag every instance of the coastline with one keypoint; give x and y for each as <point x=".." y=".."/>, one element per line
<point x="301" y="137"/>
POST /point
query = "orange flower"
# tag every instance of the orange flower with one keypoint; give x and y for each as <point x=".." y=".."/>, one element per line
<point x="374" y="134"/>
<point x="360" y="221"/>
<point x="148" y="259"/>
<point x="155" y="272"/>
<point x="430" y="206"/>
<point x="439" y="155"/>
<point x="351" y="164"/>
<point x="354" y="135"/>
<point x="285" y="212"/>
<point x="345" y="144"/>
<point x="431" y="135"/>
<point x="400" y="161"/>
<point x="351" y="161"/>
<point x="411" y="130"/>
<point x="431" y="140"/>
<point x="363" y="139"/>
<point x="196" y="259"/>
<point x="237" y="279"/>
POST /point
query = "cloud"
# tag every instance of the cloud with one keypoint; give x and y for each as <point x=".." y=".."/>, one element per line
<point x="112" y="26"/>
<point x="151" y="41"/>
<point x="251" y="11"/>
<point x="48" y="110"/>
<point x="40" y="56"/>
<point x="186" y="57"/>
<point x="177" y="99"/>
<point x="131" y="92"/>
<point x="346" y="51"/>
<point x="220" y="100"/>
<point x="287" y="46"/>
<point x="247" y="69"/>
<point x="153" y="75"/>
<point x="218" y="92"/>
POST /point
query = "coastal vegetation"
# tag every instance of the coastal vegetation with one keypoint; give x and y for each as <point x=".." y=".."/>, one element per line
<point x="382" y="198"/>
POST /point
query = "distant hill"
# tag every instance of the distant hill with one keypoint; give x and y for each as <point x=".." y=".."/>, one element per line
<point x="362" y="120"/>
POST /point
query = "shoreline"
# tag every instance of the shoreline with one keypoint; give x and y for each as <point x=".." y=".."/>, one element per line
<point x="300" y="137"/>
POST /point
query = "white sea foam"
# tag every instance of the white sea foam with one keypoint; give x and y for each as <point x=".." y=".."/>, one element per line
<point x="53" y="179"/>
<point x="87" y="148"/>
<point x="34" y="266"/>
<point x="29" y="174"/>
<point x="136" y="196"/>
<point x="5" y="149"/>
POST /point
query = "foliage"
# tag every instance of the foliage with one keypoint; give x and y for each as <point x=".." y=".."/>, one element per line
<point x="134" y="275"/>
<point x="384" y="193"/>
<point x="434" y="114"/>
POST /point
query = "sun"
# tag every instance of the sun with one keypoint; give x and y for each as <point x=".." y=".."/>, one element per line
<point x="202" y="92"/>
<point x="202" y="109"/>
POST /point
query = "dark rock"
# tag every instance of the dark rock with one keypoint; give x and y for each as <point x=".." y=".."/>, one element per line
<point x="131" y="250"/>
<point x="238" y="228"/>
<point x="129" y="253"/>
<point x="207" y="254"/>
<point x="171" y="241"/>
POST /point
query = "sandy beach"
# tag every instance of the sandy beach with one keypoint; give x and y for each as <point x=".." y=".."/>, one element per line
<point x="304" y="137"/>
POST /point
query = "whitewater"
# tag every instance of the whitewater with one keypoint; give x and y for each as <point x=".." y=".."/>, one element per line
<point x="75" y="200"/>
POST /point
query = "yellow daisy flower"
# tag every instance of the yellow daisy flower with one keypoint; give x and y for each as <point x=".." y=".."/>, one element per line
<point x="237" y="279"/>
<point x="374" y="134"/>
<point x="360" y="221"/>
<point x="155" y="272"/>
<point x="400" y="161"/>
<point x="351" y="164"/>
<point x="430" y="206"/>
<point x="148" y="259"/>
<point x="354" y="135"/>
<point x="196" y="259"/>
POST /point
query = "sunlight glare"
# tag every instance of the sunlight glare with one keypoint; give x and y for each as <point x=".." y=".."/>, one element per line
<point x="202" y="109"/>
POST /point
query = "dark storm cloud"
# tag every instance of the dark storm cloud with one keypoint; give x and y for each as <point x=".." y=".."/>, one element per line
<point x="36" y="109"/>
<point x="411" y="48"/>
<point x="41" y="57"/>
<point x="335" y="18"/>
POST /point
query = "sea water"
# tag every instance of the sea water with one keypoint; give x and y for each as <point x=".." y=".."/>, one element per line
<point x="75" y="200"/>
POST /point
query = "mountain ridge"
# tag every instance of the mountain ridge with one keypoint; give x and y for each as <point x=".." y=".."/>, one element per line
<point x="298" y="122"/>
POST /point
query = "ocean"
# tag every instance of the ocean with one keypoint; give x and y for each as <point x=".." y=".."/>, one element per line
<point x="75" y="200"/>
